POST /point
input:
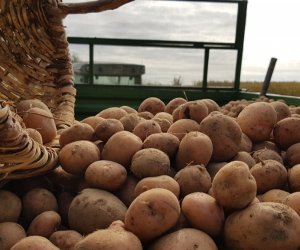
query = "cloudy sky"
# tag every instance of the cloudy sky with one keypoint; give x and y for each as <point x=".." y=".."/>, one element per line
<point x="272" y="30"/>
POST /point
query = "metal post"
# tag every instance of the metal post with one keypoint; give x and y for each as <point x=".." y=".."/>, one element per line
<point x="205" y="68"/>
<point x="91" y="63"/>
<point x="268" y="77"/>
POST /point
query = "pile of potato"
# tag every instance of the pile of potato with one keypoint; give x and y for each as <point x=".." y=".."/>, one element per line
<point x="174" y="176"/>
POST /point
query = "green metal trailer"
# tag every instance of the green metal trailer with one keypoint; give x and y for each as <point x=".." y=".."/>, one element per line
<point x="93" y="97"/>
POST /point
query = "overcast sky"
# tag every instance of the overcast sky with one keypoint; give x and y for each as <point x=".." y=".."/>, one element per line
<point x="272" y="30"/>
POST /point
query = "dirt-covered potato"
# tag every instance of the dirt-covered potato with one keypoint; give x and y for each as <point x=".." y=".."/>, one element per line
<point x="65" y="240"/>
<point x="195" y="148"/>
<point x="233" y="186"/>
<point x="128" y="109"/>
<point x="292" y="156"/>
<point x="186" y="238"/>
<point x="116" y="237"/>
<point x="150" y="162"/>
<point x="34" y="243"/>
<point x="152" y="104"/>
<point x="286" y="132"/>
<point x="203" y="212"/>
<point x="130" y="121"/>
<point x="282" y="110"/>
<point x="261" y="226"/>
<point x="245" y="144"/>
<point x="245" y="157"/>
<point x="162" y="181"/>
<point x="112" y="113"/>
<point x="195" y="110"/>
<point x="152" y="213"/>
<point x="265" y="145"/>
<point x="121" y="147"/>
<point x="76" y="156"/>
<point x="183" y="126"/>
<point x="145" y="115"/>
<point x="266" y="154"/>
<point x="211" y="105"/>
<point x="164" y="124"/>
<point x="36" y="201"/>
<point x="274" y="195"/>
<point x="77" y="132"/>
<point x="165" y="142"/>
<point x="294" y="178"/>
<point x="293" y="201"/>
<point x="173" y="104"/>
<point x="94" y="209"/>
<point x="10" y="206"/>
<point x="107" y="128"/>
<point x="145" y="128"/>
<point x="213" y="168"/>
<point x="44" y="224"/>
<point x="164" y="115"/>
<point x="269" y="174"/>
<point x="257" y="121"/>
<point x="126" y="192"/>
<point x="10" y="234"/>
<point x="107" y="175"/>
<point x="224" y="133"/>
<point x="193" y="178"/>
<point x="93" y="121"/>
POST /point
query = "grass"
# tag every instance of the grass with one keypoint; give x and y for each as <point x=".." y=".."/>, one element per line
<point x="282" y="88"/>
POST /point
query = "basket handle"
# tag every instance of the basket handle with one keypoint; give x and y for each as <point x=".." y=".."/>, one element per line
<point x="90" y="6"/>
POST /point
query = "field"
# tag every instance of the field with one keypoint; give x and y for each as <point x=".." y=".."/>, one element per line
<point x="283" y="88"/>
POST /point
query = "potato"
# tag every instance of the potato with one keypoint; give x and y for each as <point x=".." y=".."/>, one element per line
<point x="266" y="154"/>
<point x="77" y="132"/>
<point x="121" y="147"/>
<point x="126" y="192"/>
<point x="107" y="175"/>
<point x="76" y="156"/>
<point x="292" y="156"/>
<point x="195" y="110"/>
<point x="25" y="105"/>
<point x="65" y="240"/>
<point x="164" y="124"/>
<point x="294" y="178"/>
<point x="94" y="209"/>
<point x="213" y="168"/>
<point x="107" y="128"/>
<point x="42" y="121"/>
<point x="34" y="243"/>
<point x="146" y="128"/>
<point x="194" y="148"/>
<point x="165" y="142"/>
<point x="130" y="121"/>
<point x="186" y="238"/>
<point x="10" y="234"/>
<point x="286" y="132"/>
<point x="193" y="178"/>
<point x="35" y="135"/>
<point x="293" y="201"/>
<point x="282" y="110"/>
<point x="269" y="174"/>
<point x="265" y="145"/>
<point x="115" y="237"/>
<point x="203" y="212"/>
<point x="274" y="195"/>
<point x="150" y="162"/>
<point x="175" y="113"/>
<point x="245" y="157"/>
<point x="233" y="186"/>
<point x="146" y="115"/>
<point x="164" y="115"/>
<point x="245" y="143"/>
<point x="112" y="113"/>
<point x="152" y="213"/>
<point x="10" y="207"/>
<point x="257" y="121"/>
<point x="36" y="201"/>
<point x="93" y="121"/>
<point x="183" y="126"/>
<point x="44" y="224"/>
<point x="261" y="226"/>
<point x="152" y="104"/>
<point x="162" y="181"/>
<point x="173" y="104"/>
<point x="128" y="109"/>
<point x="211" y="105"/>
<point x="224" y="133"/>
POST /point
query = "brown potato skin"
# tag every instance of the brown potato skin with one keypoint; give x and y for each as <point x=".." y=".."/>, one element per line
<point x="292" y="156"/>
<point x="162" y="181"/>
<point x="126" y="192"/>
<point x="145" y="128"/>
<point x="112" y="113"/>
<point x="129" y="121"/>
<point x="107" y="128"/>
<point x="183" y="126"/>
<point x="35" y="135"/>
<point x="25" y="105"/>
<point x="99" y="209"/>
<point x="10" y="206"/>
<point x="152" y="104"/>
<point x="93" y="121"/>
<point x="294" y="178"/>
<point x="76" y="156"/>
<point x="261" y="226"/>
<point x="152" y="213"/>
<point x="245" y="144"/>
<point x="282" y="110"/>
<point x="274" y="195"/>
<point x="186" y="238"/>
<point x="233" y="186"/>
<point x="203" y="212"/>
<point x="34" y="243"/>
<point x="173" y="104"/>
<point x="107" y="175"/>
<point x="10" y="234"/>
<point x="195" y="110"/>
<point x="65" y="240"/>
<point x="44" y="224"/>
<point x="244" y="157"/>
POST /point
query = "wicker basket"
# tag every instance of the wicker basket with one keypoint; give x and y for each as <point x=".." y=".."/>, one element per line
<point x="35" y="63"/>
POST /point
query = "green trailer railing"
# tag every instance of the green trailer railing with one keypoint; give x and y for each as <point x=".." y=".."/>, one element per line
<point x="92" y="98"/>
